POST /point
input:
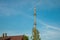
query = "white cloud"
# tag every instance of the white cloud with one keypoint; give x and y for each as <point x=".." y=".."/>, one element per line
<point x="47" y="33"/>
<point x="8" y="9"/>
<point x="48" y="26"/>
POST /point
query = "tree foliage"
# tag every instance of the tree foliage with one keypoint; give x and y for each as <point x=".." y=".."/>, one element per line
<point x="25" y="37"/>
<point x="35" y="34"/>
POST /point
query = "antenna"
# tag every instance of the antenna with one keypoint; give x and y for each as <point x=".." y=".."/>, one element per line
<point x="34" y="16"/>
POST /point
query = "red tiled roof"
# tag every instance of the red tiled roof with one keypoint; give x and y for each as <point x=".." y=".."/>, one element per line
<point x="12" y="38"/>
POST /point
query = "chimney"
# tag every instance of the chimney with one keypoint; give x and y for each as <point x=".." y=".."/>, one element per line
<point x="4" y="35"/>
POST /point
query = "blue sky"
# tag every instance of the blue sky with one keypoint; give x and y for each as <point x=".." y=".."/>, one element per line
<point x="16" y="17"/>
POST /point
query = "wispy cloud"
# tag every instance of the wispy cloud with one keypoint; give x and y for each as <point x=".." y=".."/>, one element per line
<point x="50" y="35"/>
<point x="48" y="26"/>
<point x="13" y="7"/>
<point x="47" y="33"/>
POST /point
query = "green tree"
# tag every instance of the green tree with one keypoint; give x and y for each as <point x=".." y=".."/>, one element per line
<point x="35" y="34"/>
<point x="25" y="37"/>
